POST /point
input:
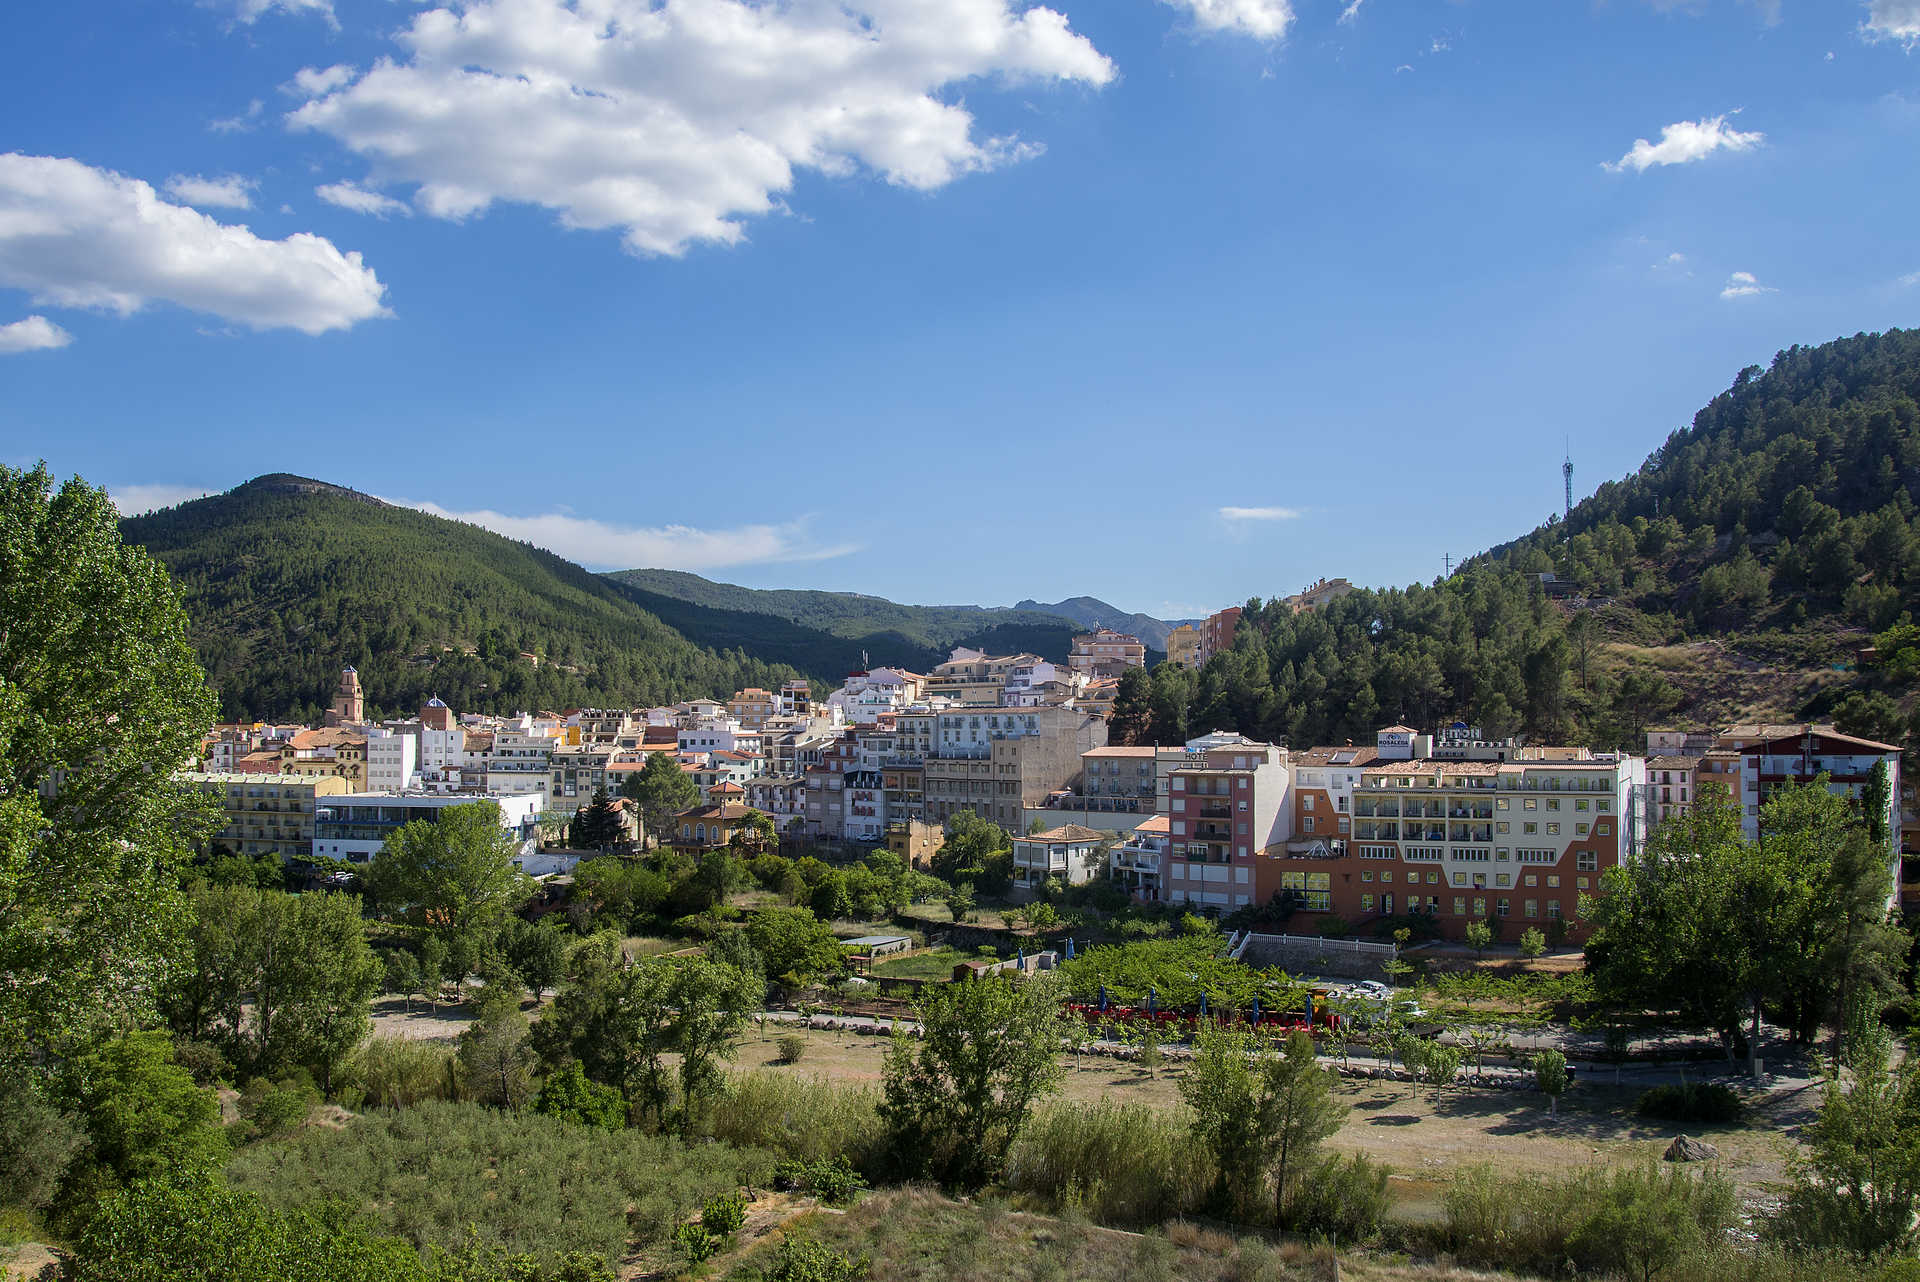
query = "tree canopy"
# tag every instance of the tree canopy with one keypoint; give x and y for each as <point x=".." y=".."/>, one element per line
<point x="100" y="700"/>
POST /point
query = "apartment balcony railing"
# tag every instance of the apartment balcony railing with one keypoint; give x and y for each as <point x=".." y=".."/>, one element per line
<point x="1216" y="812"/>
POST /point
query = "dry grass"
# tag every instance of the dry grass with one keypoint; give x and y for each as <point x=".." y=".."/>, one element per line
<point x="1425" y="1139"/>
<point x="1719" y="685"/>
<point x="916" y="1235"/>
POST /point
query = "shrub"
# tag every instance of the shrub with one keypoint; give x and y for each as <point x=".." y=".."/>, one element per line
<point x="834" y="1182"/>
<point x="1637" y="1221"/>
<point x="1119" y="1163"/>
<point x="1692" y="1102"/>
<point x="801" y="1118"/>
<point x="695" y="1243"/>
<point x="569" y="1096"/>
<point x="448" y="1175"/>
<point x="792" y="1047"/>
<point x="394" y="1072"/>
<point x="804" y="1260"/>
<point x="1344" y="1199"/>
<point x="725" y="1215"/>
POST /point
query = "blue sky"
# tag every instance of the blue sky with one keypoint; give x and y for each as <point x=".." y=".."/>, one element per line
<point x="1171" y="302"/>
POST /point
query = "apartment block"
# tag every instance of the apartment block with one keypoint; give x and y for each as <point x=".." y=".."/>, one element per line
<point x="1106" y="653"/>
<point x="1069" y="853"/>
<point x="1183" y="646"/>
<point x="1227" y="806"/>
<point x="266" y="814"/>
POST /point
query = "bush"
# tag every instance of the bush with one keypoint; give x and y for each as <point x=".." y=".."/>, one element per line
<point x="1119" y="1163"/>
<point x="1344" y="1199"/>
<point x="725" y="1215"/>
<point x="1637" y="1221"/>
<point x="394" y="1072"/>
<point x="804" y="1260"/>
<point x="446" y="1175"/>
<point x="37" y="1142"/>
<point x="792" y="1047"/>
<point x="835" y="1182"/>
<point x="695" y="1243"/>
<point x="802" y="1119"/>
<point x="569" y="1096"/>
<point x="1692" y="1102"/>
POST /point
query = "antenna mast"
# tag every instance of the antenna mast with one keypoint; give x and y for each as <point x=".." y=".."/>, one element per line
<point x="1566" y="474"/>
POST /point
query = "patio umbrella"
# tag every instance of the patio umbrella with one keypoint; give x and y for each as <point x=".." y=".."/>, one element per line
<point x="1151" y="996"/>
<point x="1069" y="947"/>
<point x="1256" y="1010"/>
<point x="1203" y="1006"/>
<point x="1103" y="999"/>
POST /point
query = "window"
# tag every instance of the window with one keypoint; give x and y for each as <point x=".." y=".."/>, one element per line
<point x="1500" y="827"/>
<point x="1459" y="879"/>
<point x="1500" y="906"/>
<point x="1386" y="874"/>
<point x="1586" y="861"/>
<point x="1533" y="908"/>
<point x="1459" y="906"/>
<point x="1433" y="876"/>
<point x="1553" y="879"/>
<point x="1306" y="825"/>
<point x="1580" y="803"/>
<point x="1530" y="829"/>
<point x="1605" y="829"/>
<point x="1501" y="804"/>
<point x="1582" y="882"/>
<point x="1553" y="830"/>
<point x="1553" y="908"/>
<point x="1366" y="874"/>
<point x="1532" y="803"/>
<point x="1366" y="903"/>
<point x="1601" y="803"/>
<point x="1503" y="879"/>
<point x="1580" y="829"/>
<point x="1553" y="803"/>
<point x="1530" y="880"/>
<point x="1306" y="803"/>
<point x="1479" y="907"/>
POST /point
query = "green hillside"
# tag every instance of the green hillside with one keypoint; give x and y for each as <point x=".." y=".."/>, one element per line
<point x="1734" y="575"/>
<point x="888" y="631"/>
<point x="287" y="580"/>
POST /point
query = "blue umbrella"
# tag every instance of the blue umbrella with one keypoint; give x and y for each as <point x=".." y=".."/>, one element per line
<point x="1203" y="1006"/>
<point x="1069" y="947"/>
<point x="1151" y="995"/>
<point x="1103" y="999"/>
<point x="1309" y="1007"/>
<point x="1256" y="1010"/>
<point x="1020" y="957"/>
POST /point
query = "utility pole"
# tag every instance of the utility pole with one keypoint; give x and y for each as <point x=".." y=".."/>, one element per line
<point x="1446" y="559"/>
<point x="1566" y="520"/>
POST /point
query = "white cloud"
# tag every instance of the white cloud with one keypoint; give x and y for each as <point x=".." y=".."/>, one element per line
<point x="1893" y="20"/>
<point x="1684" y="141"/>
<point x="34" y="334"/>
<point x="76" y="236"/>
<point x="251" y="11"/>
<point x="599" y="545"/>
<point x="360" y="200"/>
<point x="1261" y="19"/>
<point x="241" y="123"/>
<point x="674" y="123"/>
<point x="132" y="500"/>
<point x="312" y="82"/>
<point x="230" y="192"/>
<point x="1261" y="513"/>
<point x="1745" y="285"/>
<point x="1351" y="12"/>
<point x="1909" y="280"/>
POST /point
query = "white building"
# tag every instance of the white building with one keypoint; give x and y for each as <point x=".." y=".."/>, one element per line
<point x="355" y="826"/>
<point x="392" y="761"/>
<point x="1068" y="852"/>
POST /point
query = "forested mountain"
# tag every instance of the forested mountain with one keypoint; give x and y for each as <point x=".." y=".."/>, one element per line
<point x="883" y="627"/>
<point x="287" y="580"/>
<point x="1092" y="612"/>
<point x="1736" y="573"/>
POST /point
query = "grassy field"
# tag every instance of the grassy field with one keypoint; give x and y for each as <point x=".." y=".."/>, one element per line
<point x="937" y="963"/>
<point x="916" y="1235"/>
<point x="1424" y="1137"/>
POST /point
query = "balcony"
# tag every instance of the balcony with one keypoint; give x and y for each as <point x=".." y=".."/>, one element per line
<point x="1211" y="833"/>
<point x="1479" y="834"/>
<point x="1216" y="812"/>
